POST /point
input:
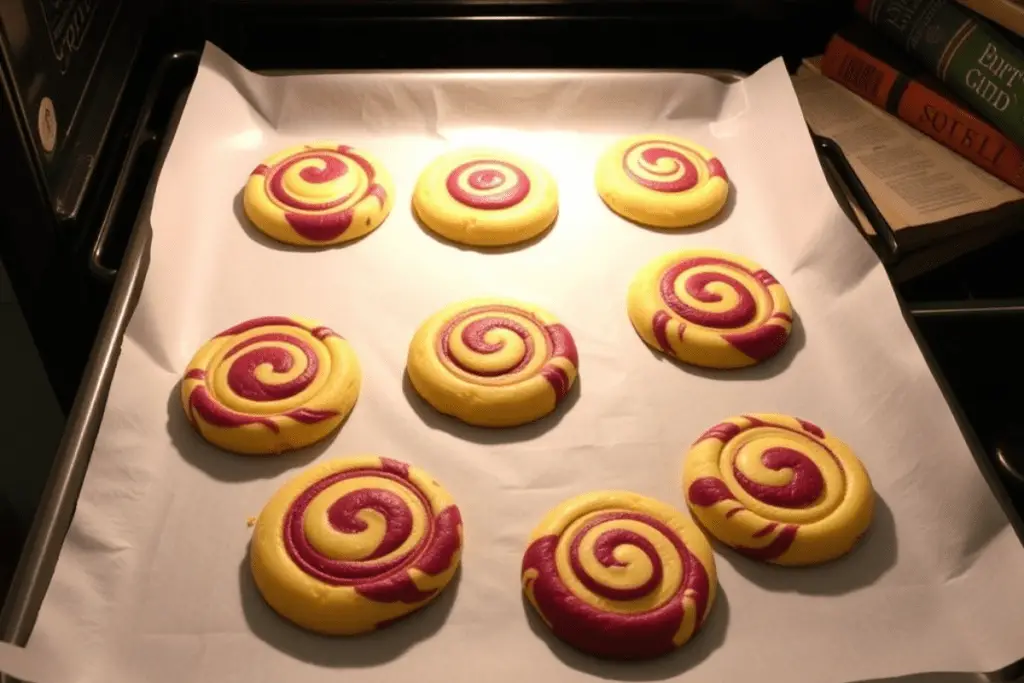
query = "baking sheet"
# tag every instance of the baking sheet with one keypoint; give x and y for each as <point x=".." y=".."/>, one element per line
<point x="153" y="584"/>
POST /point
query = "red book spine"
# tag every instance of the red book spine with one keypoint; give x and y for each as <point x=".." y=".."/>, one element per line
<point x="924" y="108"/>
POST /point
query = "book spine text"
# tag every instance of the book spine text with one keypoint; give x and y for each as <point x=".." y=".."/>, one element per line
<point x="925" y="109"/>
<point x="977" y="63"/>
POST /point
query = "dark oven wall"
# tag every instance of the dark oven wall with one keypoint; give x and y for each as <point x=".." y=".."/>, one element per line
<point x="64" y="65"/>
<point x="737" y="34"/>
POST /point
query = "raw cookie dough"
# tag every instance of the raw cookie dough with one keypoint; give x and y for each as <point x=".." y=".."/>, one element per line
<point x="662" y="181"/>
<point x="493" y="362"/>
<point x="351" y="545"/>
<point x="778" y="489"/>
<point x="485" y="197"/>
<point x="270" y="385"/>
<point x="318" y="194"/>
<point x="620" y="575"/>
<point x="710" y="308"/>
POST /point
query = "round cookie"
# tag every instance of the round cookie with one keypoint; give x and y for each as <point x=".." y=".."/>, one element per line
<point x="662" y="181"/>
<point x="318" y="194"/>
<point x="710" y="308"/>
<point x="620" y="575"/>
<point x="353" y="544"/>
<point x="493" y="362"/>
<point x="270" y="385"/>
<point x="485" y="197"/>
<point x="778" y="489"/>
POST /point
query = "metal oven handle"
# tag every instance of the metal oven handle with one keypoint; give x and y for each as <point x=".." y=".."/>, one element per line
<point x="142" y="136"/>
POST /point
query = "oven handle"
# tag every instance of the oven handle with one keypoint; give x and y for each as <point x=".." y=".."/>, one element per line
<point x="142" y="135"/>
<point x="888" y="251"/>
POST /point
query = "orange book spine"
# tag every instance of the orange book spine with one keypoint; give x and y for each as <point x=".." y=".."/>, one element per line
<point x="924" y="108"/>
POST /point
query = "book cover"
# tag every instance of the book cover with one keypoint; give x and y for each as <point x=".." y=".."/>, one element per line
<point x="888" y="79"/>
<point x="976" y="61"/>
<point x="925" y="192"/>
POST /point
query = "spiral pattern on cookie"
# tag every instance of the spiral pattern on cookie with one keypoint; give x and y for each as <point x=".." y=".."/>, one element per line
<point x="376" y="534"/>
<point x="778" y="489"/>
<point x="619" y="575"/>
<point x="669" y="166"/>
<point x="485" y="197"/>
<point x="493" y="362"/>
<point x="662" y="181"/>
<point x="320" y="193"/>
<point x="328" y="536"/>
<point x="488" y="184"/>
<point x="710" y="308"/>
<point x="282" y="382"/>
<point x="499" y="345"/>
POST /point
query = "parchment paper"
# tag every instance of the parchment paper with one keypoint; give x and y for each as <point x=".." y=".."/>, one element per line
<point x="153" y="584"/>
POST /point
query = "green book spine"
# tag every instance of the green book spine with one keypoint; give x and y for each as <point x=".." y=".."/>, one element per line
<point x="971" y="58"/>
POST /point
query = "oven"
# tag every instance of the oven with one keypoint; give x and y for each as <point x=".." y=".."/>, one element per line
<point x="90" y="89"/>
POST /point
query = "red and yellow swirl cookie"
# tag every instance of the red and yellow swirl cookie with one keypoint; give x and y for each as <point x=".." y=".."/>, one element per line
<point x="620" y="575"/>
<point x="493" y="362"/>
<point x="318" y="194"/>
<point x="710" y="308"/>
<point x="778" y="489"/>
<point x="270" y="385"/>
<point x="351" y="545"/>
<point x="662" y="181"/>
<point x="485" y="197"/>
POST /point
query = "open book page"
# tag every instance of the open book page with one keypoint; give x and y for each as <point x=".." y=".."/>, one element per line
<point x="912" y="179"/>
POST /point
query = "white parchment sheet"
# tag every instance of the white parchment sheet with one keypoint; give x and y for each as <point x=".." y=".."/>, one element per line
<point x="153" y="584"/>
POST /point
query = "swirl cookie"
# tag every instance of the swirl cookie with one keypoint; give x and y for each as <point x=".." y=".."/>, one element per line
<point x="493" y="362"/>
<point x="351" y="545"/>
<point x="620" y="575"/>
<point x="270" y="385"/>
<point x="318" y="194"/>
<point x="662" y="181"/>
<point x="485" y="197"/>
<point x="778" y="489"/>
<point x="710" y="308"/>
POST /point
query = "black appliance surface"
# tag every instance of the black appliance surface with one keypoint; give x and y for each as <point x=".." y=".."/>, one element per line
<point x="64" y="68"/>
<point x="65" y="259"/>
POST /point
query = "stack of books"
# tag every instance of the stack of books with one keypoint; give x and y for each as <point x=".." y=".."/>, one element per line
<point x="926" y="100"/>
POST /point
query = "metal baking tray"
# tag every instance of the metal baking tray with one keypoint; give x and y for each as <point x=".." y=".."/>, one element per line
<point x="39" y="558"/>
<point x="72" y="460"/>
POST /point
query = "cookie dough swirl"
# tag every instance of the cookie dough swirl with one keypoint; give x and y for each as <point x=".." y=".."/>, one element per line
<point x="318" y="194"/>
<point x="493" y="362"/>
<point x="488" y="184"/>
<point x="485" y="197"/>
<point x="662" y="181"/>
<point x="270" y="384"/>
<point x="666" y="166"/>
<point x="778" y="489"/>
<point x="710" y="308"/>
<point x="619" y="575"/>
<point x="353" y="544"/>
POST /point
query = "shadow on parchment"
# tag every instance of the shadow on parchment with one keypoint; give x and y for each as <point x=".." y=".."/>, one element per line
<point x="713" y="222"/>
<point x="371" y="649"/>
<point x="709" y="638"/>
<point x="226" y="466"/>
<point x="489" y="436"/>
<point x="498" y="249"/>
<point x="766" y="369"/>
<point x="265" y="240"/>
<point x="873" y="556"/>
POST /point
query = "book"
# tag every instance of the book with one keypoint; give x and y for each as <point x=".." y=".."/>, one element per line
<point x="882" y="75"/>
<point x="1006" y="13"/>
<point x="938" y="204"/>
<point x="974" y="59"/>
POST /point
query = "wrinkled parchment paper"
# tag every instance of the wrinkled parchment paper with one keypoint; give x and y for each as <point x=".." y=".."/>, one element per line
<point x="153" y="585"/>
